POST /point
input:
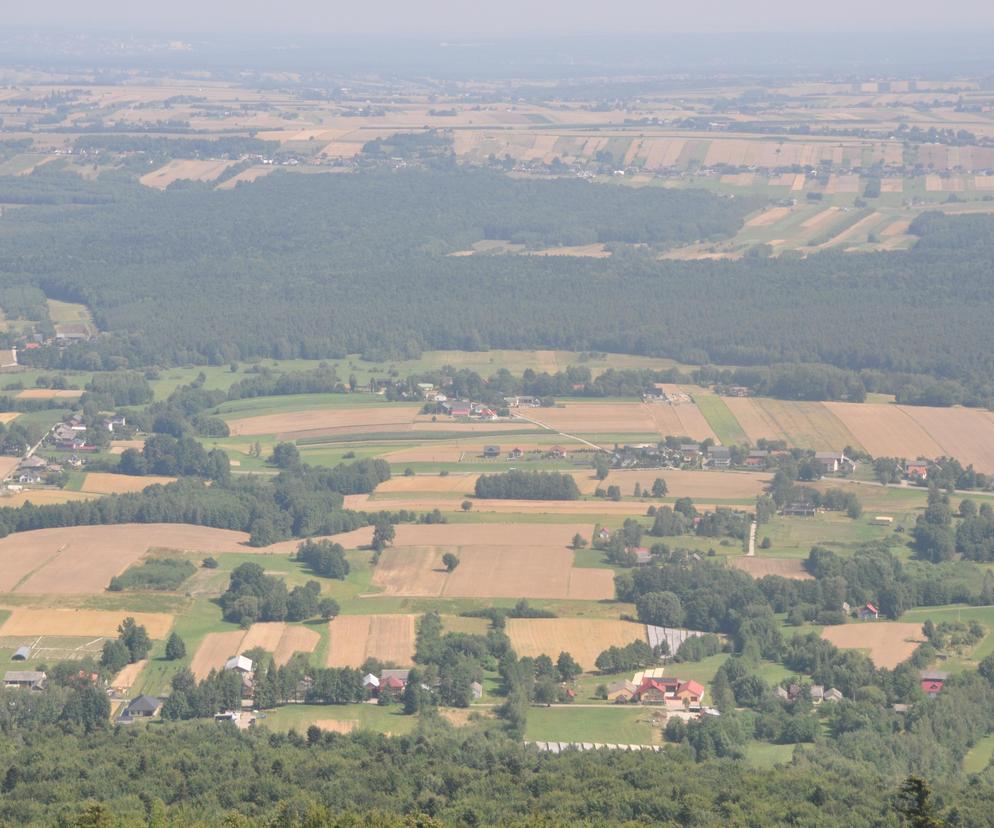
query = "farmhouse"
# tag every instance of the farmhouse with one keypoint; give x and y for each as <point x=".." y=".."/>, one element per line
<point x="690" y="452"/>
<point x="393" y="682"/>
<point x="757" y="458"/>
<point x="868" y="613"/>
<point x="720" y="457"/>
<point x="515" y="454"/>
<point x="643" y="557"/>
<point x="144" y="707"/>
<point x="674" y="693"/>
<point x="833" y="695"/>
<point x="833" y="461"/>
<point x="932" y="682"/>
<point x="240" y="663"/>
<point x="916" y="470"/>
<point x="24" y="680"/>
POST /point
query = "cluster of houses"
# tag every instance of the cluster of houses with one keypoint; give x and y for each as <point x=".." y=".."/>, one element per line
<point x="465" y="408"/>
<point x="392" y="683"/>
<point x="816" y="692"/>
<point x="552" y="453"/>
<point x="652" y="687"/>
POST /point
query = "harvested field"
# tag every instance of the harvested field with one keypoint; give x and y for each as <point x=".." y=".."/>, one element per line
<point x="265" y="634"/>
<point x="886" y="430"/>
<point x="25" y="621"/>
<point x="83" y="559"/>
<point x="888" y="642"/>
<point x="853" y="232"/>
<point x="184" y="169"/>
<point x="892" y="185"/>
<point x="41" y="497"/>
<point x="129" y="675"/>
<point x="720" y="485"/>
<point x="119" y="446"/>
<point x="49" y="394"/>
<point x="355" y="638"/>
<point x="490" y="572"/>
<point x="768" y="217"/>
<point x="897" y="228"/>
<point x="582" y="638"/>
<point x="215" y="649"/>
<point x="964" y="433"/>
<point x="809" y="425"/>
<point x="760" y="567"/>
<point x="471" y="534"/>
<point x="107" y="483"/>
<point x="366" y="418"/>
<point x="458" y="483"/>
<point x="9" y="417"/>
<point x="818" y="219"/>
<point x="577" y="508"/>
<point x="248" y="175"/>
<point x="619" y="418"/>
<point x="295" y="640"/>
<point x="7" y="466"/>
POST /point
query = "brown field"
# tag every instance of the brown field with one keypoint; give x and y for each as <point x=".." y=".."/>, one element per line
<point x="48" y="394"/>
<point x="897" y="228"/>
<point x="891" y="185"/>
<point x="768" y="217"/>
<point x="634" y="417"/>
<point x="368" y="418"/>
<point x="354" y="638"/>
<point x="809" y="425"/>
<point x="721" y="485"/>
<point x="853" y="232"/>
<point x="583" y="639"/>
<point x="119" y="446"/>
<point x="490" y="572"/>
<point x="461" y="624"/>
<point x="964" y="433"/>
<point x="471" y="534"/>
<point x="9" y="417"/>
<point x="250" y="174"/>
<point x="107" y="483"/>
<point x="24" y="621"/>
<point x="576" y="508"/>
<point x="458" y="483"/>
<point x="265" y="634"/>
<point x="888" y="642"/>
<point x="83" y="559"/>
<point x="295" y="640"/>
<point x="41" y="497"/>
<point x="591" y="251"/>
<point x="7" y="466"/>
<point x="184" y="169"/>
<point x="760" y="567"/>
<point x="886" y="430"/>
<point x="129" y="675"/>
<point x="215" y="649"/>
<point x="818" y="219"/>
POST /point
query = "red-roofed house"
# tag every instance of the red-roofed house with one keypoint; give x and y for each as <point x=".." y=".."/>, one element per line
<point x="932" y="687"/>
<point x="656" y="690"/>
<point x="691" y="692"/>
<point x="869" y="612"/>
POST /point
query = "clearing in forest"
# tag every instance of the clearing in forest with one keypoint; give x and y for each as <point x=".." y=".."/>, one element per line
<point x="759" y="567"/>
<point x="582" y="638"/>
<point x="888" y="642"/>
<point x="107" y="483"/>
<point x="355" y="638"/>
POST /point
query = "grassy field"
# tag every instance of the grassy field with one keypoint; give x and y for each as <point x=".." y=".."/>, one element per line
<point x="980" y="755"/>
<point x="720" y="418"/>
<point x="613" y="724"/>
<point x="765" y="755"/>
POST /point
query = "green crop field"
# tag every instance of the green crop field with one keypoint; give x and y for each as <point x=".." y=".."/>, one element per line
<point x="609" y="724"/>
<point x="721" y="420"/>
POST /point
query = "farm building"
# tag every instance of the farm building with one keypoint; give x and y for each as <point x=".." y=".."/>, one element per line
<point x="670" y="691"/>
<point x="882" y="520"/>
<point x="24" y="680"/>
<point x="370" y="682"/>
<point x="239" y="663"/>
<point x="757" y="458"/>
<point x="916" y="470"/>
<point x="868" y="613"/>
<point x="643" y="557"/>
<point x="932" y="682"/>
<point x="798" y="510"/>
<point x="690" y="452"/>
<point x="833" y="695"/>
<point x="515" y="454"/>
<point x="720" y="457"/>
<point x="143" y="707"/>
<point x="833" y="461"/>
<point x="620" y="692"/>
<point x="491" y="451"/>
<point x="21" y="653"/>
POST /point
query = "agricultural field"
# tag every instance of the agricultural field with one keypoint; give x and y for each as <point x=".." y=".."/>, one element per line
<point x="179" y="170"/>
<point x="623" y="417"/>
<point x="887" y="643"/>
<point x="355" y="638"/>
<point x="104" y="483"/>
<point x="584" y="639"/>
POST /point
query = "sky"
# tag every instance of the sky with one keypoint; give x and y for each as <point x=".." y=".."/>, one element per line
<point x="504" y="17"/>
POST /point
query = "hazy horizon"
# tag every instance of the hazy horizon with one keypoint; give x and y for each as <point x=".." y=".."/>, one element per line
<point x="445" y="18"/>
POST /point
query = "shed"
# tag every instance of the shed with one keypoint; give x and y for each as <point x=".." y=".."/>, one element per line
<point x="22" y="653"/>
<point x="241" y="663"/>
<point x="25" y="679"/>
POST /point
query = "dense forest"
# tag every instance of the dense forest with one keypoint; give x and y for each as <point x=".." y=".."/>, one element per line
<point x="323" y="265"/>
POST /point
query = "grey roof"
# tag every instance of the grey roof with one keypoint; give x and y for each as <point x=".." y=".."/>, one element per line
<point x="144" y="704"/>
<point x="24" y="676"/>
<point x="719" y="451"/>
<point x="398" y="674"/>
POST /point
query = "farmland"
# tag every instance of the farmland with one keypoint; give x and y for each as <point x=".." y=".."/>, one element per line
<point x="584" y="639"/>
<point x="355" y="638"/>
<point x="888" y="643"/>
